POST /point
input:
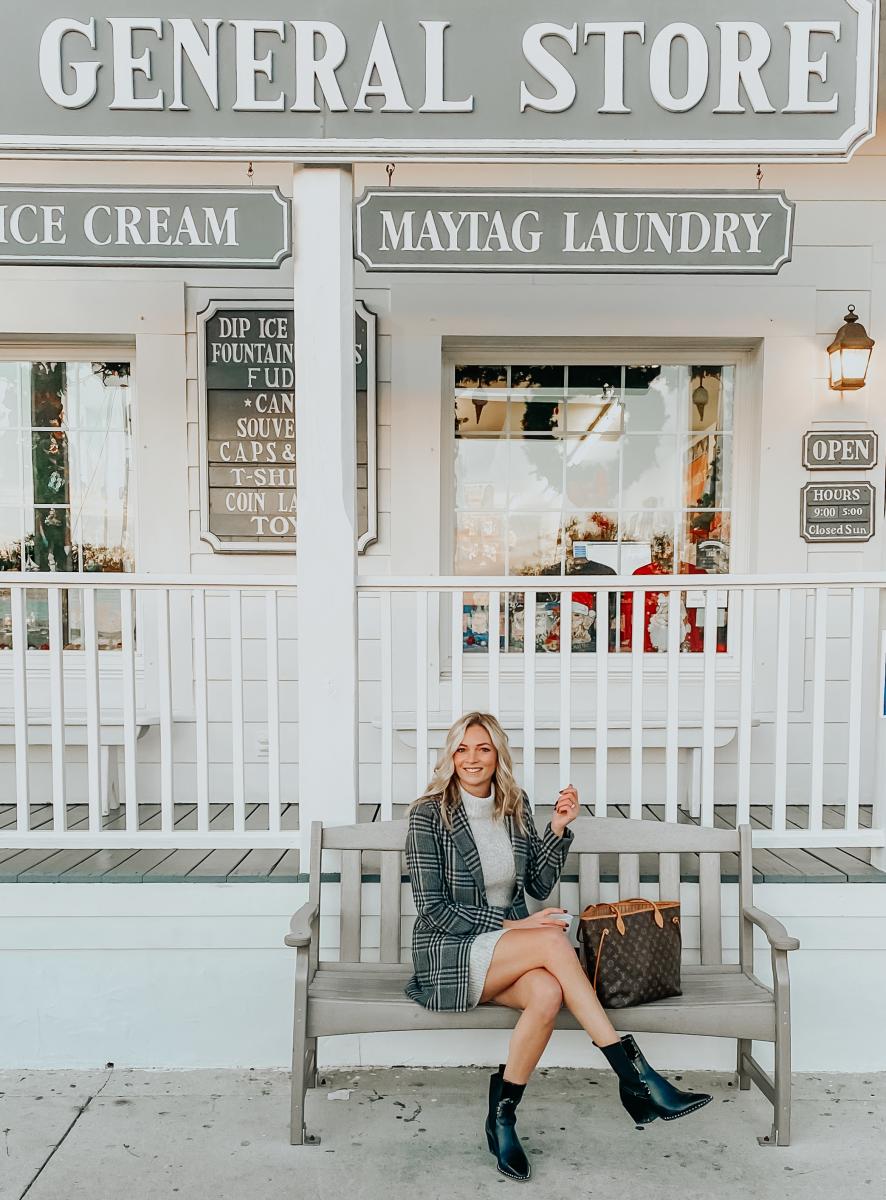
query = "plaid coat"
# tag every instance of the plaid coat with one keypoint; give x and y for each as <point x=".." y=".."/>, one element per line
<point x="450" y="896"/>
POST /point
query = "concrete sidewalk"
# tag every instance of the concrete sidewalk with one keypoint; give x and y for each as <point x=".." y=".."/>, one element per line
<point x="407" y="1133"/>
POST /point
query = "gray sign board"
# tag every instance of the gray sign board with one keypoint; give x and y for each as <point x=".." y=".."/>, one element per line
<point x="654" y="232"/>
<point x="248" y="427"/>
<point x="513" y="79"/>
<point x="835" y="449"/>
<point x="837" y="512"/>
<point x="133" y="227"/>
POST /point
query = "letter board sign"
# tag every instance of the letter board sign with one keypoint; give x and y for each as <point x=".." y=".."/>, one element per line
<point x="836" y="449"/>
<point x="837" y="512"/>
<point x="653" y="232"/>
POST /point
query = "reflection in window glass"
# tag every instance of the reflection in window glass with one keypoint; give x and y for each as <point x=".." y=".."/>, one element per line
<point x="602" y="468"/>
<point x="66" y="483"/>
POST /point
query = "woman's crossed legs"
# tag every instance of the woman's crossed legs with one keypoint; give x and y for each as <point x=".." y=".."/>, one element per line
<point x="537" y="970"/>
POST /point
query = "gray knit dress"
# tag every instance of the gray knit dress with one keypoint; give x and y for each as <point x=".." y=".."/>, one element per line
<point x="499" y="876"/>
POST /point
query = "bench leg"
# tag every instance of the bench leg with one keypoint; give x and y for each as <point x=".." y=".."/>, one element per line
<point x="745" y="1046"/>
<point x="304" y="1056"/>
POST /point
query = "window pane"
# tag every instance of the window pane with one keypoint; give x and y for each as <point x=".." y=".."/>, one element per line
<point x="655" y="399"/>
<point x="48" y="381"/>
<point x="10" y="539"/>
<point x="545" y="378"/>
<point x="592" y="471"/>
<point x="49" y="459"/>
<point x="48" y="541"/>
<point x="10" y="467"/>
<point x="647" y="543"/>
<point x="706" y="539"/>
<point x="592" y="544"/>
<point x="481" y="377"/>
<point x="710" y="391"/>
<point x="11" y="408"/>
<point x="481" y="474"/>
<point x="534" y="544"/>
<point x="590" y="377"/>
<point x="98" y="400"/>
<point x="708" y="471"/>
<point x="649" y="472"/>
<point x="475" y="415"/>
<point x="536" y="475"/>
<point x="539" y="419"/>
<point x="479" y="544"/>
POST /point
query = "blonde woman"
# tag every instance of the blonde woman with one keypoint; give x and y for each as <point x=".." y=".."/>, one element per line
<point x="474" y="852"/>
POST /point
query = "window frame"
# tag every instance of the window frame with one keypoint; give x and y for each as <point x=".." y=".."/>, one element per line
<point x="86" y="351"/>
<point x="743" y="355"/>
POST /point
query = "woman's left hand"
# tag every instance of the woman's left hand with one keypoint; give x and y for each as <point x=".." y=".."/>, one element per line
<point x="565" y="809"/>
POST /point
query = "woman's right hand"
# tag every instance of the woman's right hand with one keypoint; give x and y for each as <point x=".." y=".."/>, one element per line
<point x="538" y="920"/>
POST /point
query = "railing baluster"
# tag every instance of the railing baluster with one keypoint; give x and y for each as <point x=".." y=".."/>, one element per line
<point x="601" y="754"/>
<point x="853" y="782"/>
<point x="494" y="652"/>
<point x="529" y="695"/>
<point x="237" y="755"/>
<point x="421" y="691"/>
<point x="164" y="692"/>
<point x="201" y="709"/>
<point x="748" y="598"/>
<point x="129" y="731"/>
<point x="93" y="711"/>
<point x="565" y="755"/>
<point x="20" y="706"/>
<point x="672" y="745"/>
<point x="57" y="706"/>
<point x="387" y="709"/>
<point x="709" y="706"/>
<point x="272" y="649"/>
<point x="819" y="669"/>
<point x="636" y="636"/>
<point x="779" y="797"/>
<point x="458" y="649"/>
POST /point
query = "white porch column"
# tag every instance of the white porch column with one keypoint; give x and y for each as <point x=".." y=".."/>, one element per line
<point x="325" y="431"/>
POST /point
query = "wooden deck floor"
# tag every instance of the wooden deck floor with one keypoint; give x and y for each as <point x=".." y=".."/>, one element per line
<point x="121" y="865"/>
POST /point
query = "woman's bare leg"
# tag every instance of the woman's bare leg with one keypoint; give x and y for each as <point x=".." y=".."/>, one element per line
<point x="540" y="997"/>
<point x="521" y="950"/>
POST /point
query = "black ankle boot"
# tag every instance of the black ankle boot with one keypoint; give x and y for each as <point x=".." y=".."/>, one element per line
<point x="501" y="1126"/>
<point x="644" y="1093"/>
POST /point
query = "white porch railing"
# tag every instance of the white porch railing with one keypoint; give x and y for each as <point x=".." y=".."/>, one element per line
<point x="777" y="702"/>
<point x="179" y="732"/>
<point x="750" y="694"/>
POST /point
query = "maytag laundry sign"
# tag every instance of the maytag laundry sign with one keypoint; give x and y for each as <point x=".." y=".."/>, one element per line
<point x="350" y="79"/>
<point x="204" y="227"/>
<point x="399" y="229"/>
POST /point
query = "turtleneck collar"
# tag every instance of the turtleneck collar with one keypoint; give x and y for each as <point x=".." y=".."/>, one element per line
<point x="477" y="806"/>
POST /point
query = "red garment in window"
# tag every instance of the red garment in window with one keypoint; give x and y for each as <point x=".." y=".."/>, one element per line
<point x="694" y="639"/>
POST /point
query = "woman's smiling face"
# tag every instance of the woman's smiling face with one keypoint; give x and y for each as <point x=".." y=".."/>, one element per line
<point x="475" y="760"/>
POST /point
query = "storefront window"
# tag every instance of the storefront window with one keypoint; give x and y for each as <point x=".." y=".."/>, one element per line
<point x="65" y="486"/>
<point x="586" y="469"/>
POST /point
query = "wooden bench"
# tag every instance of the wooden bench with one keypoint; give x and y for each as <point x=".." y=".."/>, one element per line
<point x="719" y="999"/>
<point x="75" y="733"/>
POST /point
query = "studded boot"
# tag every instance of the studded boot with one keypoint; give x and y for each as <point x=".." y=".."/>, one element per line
<point x="501" y="1126"/>
<point x="644" y="1093"/>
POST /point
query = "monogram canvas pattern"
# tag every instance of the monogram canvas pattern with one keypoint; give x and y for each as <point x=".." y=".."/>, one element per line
<point x="638" y="965"/>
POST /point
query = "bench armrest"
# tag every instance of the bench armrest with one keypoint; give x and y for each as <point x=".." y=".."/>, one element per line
<point x="779" y="938"/>
<point x="302" y="925"/>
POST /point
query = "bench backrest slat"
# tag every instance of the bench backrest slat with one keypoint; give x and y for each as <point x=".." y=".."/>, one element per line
<point x="628" y="876"/>
<point x="669" y="877"/>
<point x="588" y="880"/>
<point x="709" y="908"/>
<point x="389" y="935"/>
<point x="351" y="905"/>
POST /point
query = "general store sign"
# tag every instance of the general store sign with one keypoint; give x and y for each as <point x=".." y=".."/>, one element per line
<point x="515" y="79"/>
<point x="168" y="226"/>
<point x="401" y="229"/>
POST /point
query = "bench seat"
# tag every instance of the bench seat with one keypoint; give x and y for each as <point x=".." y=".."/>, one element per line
<point x="721" y="1001"/>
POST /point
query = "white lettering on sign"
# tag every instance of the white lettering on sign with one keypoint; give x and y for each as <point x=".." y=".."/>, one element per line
<point x="298" y="62"/>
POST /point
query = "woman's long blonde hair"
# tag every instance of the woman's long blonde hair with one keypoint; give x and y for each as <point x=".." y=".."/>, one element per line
<point x="444" y="785"/>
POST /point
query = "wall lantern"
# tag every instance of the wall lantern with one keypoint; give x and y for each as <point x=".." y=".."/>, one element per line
<point x="849" y="354"/>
